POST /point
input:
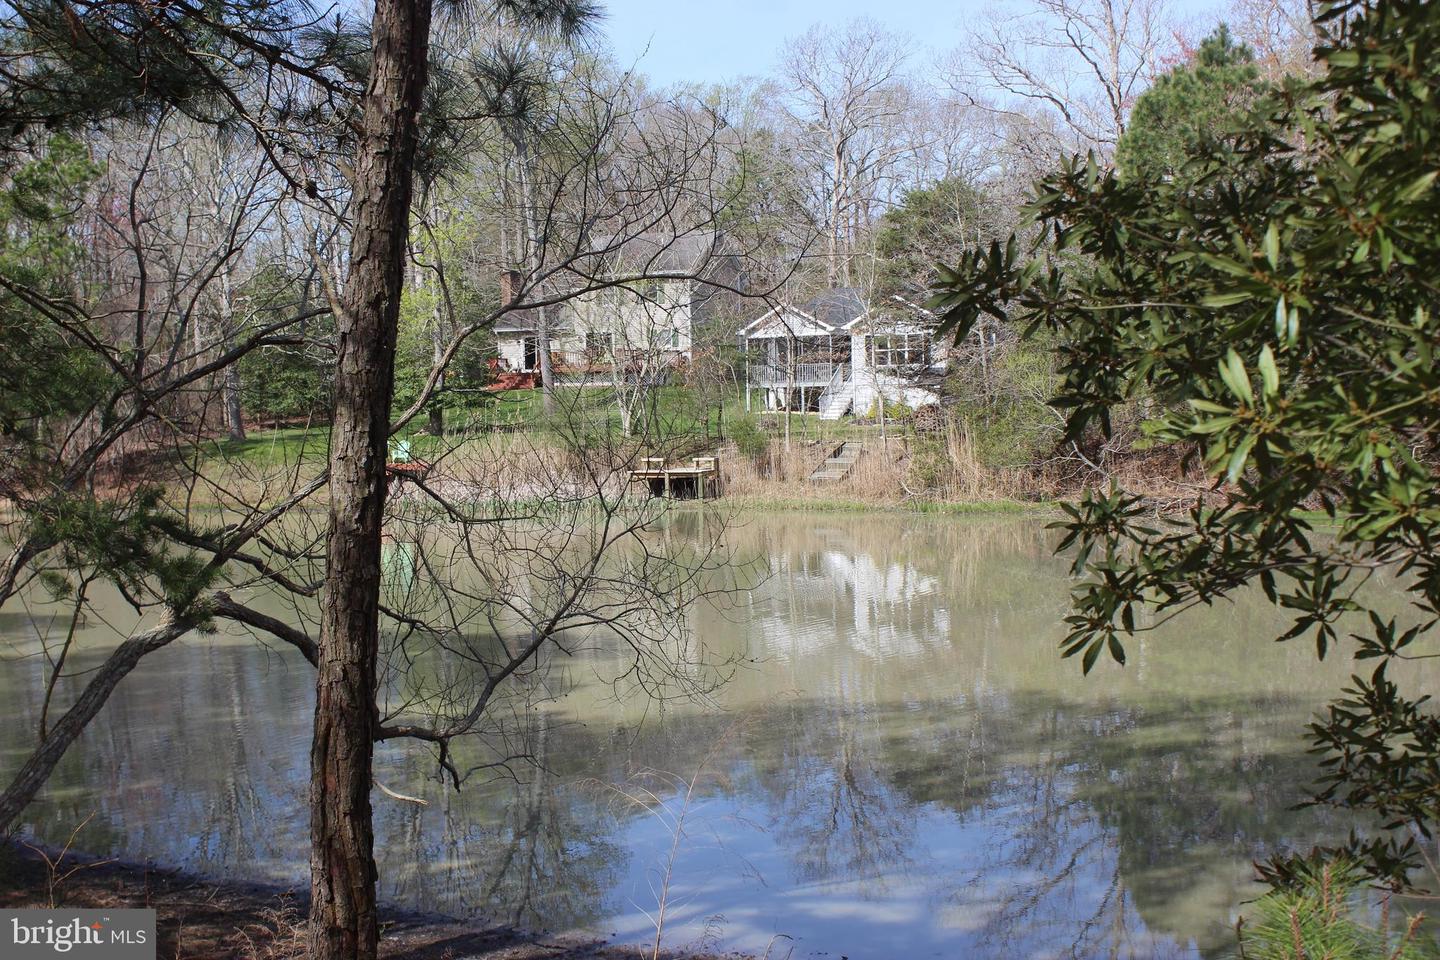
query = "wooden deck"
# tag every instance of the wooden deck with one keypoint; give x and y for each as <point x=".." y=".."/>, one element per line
<point x="697" y="480"/>
<point x="408" y="470"/>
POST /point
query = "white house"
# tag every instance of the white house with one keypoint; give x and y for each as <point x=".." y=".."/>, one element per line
<point x="647" y="299"/>
<point x="838" y="352"/>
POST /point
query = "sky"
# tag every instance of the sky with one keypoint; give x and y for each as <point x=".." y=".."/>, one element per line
<point x="685" y="40"/>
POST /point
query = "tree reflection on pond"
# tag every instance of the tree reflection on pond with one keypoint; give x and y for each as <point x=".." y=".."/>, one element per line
<point x="915" y="771"/>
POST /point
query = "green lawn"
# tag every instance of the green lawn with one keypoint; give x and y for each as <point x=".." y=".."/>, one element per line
<point x="674" y="411"/>
<point x="283" y="447"/>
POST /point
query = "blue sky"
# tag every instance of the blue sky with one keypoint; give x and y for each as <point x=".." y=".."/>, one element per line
<point x="715" y="41"/>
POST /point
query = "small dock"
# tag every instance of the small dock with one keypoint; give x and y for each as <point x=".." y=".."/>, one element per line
<point x="401" y="464"/>
<point x="416" y="470"/>
<point x="697" y="480"/>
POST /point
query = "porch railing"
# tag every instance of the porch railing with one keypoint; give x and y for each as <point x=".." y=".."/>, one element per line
<point x="801" y="375"/>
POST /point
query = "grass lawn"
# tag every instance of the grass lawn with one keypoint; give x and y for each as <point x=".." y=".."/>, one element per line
<point x="273" y="448"/>
<point x="671" y="405"/>
<point x="674" y="411"/>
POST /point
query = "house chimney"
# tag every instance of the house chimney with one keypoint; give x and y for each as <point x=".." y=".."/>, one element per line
<point x="510" y="283"/>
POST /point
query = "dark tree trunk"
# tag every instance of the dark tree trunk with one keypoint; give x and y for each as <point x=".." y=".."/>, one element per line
<point x="342" y="864"/>
<point x="437" y="354"/>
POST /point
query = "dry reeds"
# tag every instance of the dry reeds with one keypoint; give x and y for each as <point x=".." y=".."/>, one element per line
<point x="278" y="933"/>
<point x="942" y="467"/>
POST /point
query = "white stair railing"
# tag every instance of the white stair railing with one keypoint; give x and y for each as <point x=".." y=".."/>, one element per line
<point x="837" y="396"/>
<point x="837" y="381"/>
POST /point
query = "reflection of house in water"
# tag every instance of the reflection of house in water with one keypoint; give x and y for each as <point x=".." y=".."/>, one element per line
<point x="883" y="606"/>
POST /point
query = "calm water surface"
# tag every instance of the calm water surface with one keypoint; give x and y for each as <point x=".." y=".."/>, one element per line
<point x="903" y="766"/>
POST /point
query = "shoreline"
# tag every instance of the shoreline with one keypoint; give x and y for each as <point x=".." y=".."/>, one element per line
<point x="200" y="917"/>
<point x="997" y="507"/>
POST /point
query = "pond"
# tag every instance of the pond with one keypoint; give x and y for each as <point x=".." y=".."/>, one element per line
<point x="902" y="764"/>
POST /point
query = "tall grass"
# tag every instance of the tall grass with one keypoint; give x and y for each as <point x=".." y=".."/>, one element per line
<point x="894" y="471"/>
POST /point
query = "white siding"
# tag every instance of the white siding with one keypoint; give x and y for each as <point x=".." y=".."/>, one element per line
<point x="790" y="323"/>
<point x="657" y="319"/>
<point x="511" y="347"/>
<point x="869" y="383"/>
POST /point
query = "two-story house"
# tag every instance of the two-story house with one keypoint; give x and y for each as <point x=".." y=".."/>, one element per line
<point x="838" y="352"/>
<point x="638" y="305"/>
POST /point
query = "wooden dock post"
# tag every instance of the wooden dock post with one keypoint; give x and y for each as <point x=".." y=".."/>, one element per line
<point x="702" y="476"/>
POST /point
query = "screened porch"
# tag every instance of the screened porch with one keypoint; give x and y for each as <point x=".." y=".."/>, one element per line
<point x="782" y="361"/>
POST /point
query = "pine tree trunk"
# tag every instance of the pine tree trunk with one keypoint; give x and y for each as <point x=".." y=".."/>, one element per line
<point x="342" y="865"/>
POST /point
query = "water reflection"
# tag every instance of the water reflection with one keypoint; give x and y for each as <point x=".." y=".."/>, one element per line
<point x="905" y="767"/>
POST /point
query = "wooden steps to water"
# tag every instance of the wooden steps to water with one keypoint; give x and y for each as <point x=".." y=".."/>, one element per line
<point x="838" y="465"/>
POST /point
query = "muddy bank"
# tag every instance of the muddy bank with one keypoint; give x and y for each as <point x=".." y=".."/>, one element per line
<point x="201" y="919"/>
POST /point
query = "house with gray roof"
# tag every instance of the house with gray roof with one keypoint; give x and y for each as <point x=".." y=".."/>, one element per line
<point x="644" y="299"/>
<point x="839" y="351"/>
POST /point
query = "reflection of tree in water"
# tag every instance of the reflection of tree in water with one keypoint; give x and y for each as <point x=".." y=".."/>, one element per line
<point x="1212" y="792"/>
<point x="199" y="794"/>
<point x="1105" y="828"/>
<point x="532" y="852"/>
<point x="238" y="798"/>
<point x="830" y="807"/>
<point x="1109" y="829"/>
<point x="913" y="735"/>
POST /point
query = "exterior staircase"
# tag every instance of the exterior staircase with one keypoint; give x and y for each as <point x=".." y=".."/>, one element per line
<point x="837" y="466"/>
<point x="835" y="402"/>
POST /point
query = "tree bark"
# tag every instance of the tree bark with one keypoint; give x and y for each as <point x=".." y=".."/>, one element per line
<point x="342" y="864"/>
<point x="438" y="344"/>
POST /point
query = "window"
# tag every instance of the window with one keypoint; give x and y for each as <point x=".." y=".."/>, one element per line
<point x="895" y="350"/>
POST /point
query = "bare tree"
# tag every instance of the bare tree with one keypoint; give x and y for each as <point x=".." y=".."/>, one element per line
<point x="214" y="205"/>
<point x="88" y="488"/>
<point x="949" y="138"/>
<point x="1281" y="32"/>
<point x="1078" y="63"/>
<point x="848" y="108"/>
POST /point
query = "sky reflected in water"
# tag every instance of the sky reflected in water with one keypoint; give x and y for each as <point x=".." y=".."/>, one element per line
<point x="902" y="766"/>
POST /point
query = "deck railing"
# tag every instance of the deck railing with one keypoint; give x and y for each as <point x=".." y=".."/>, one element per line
<point x="801" y="375"/>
